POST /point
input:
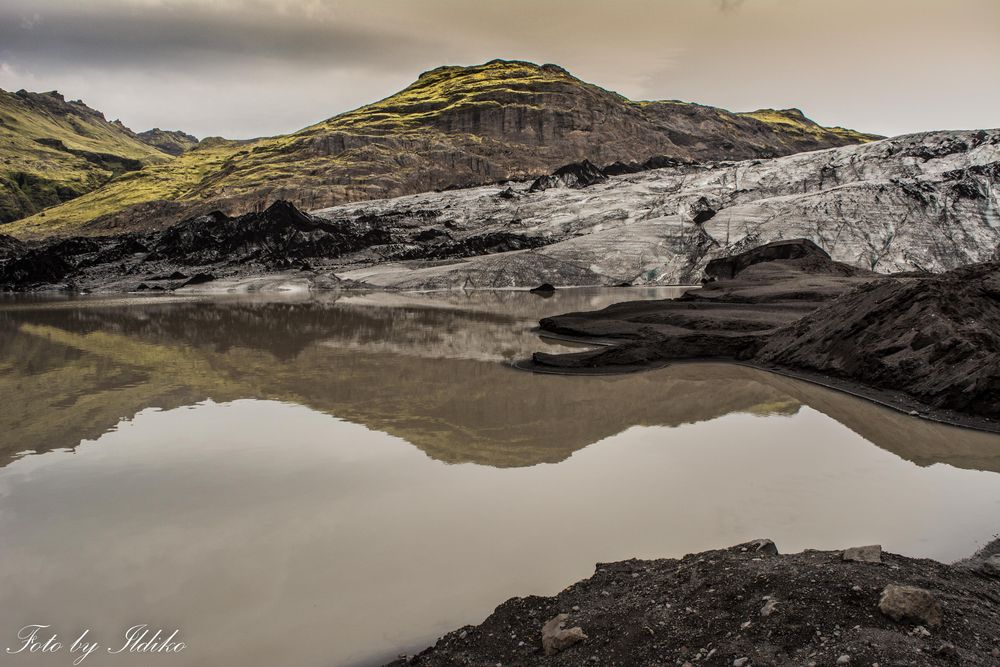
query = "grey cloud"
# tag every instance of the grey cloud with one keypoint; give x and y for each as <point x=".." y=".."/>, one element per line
<point x="125" y="34"/>
<point x="728" y="5"/>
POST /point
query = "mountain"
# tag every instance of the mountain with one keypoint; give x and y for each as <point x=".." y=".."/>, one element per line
<point x="52" y="151"/>
<point x="171" y="142"/>
<point x="455" y="126"/>
<point x="923" y="202"/>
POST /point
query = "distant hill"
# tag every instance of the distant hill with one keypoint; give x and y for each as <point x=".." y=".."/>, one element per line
<point x="52" y="151"/>
<point x="172" y="142"/>
<point x="454" y="126"/>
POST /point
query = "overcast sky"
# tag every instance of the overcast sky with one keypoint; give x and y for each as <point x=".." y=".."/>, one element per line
<point x="244" y="68"/>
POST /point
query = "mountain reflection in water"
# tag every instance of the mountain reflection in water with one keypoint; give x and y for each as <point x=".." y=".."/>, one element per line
<point x="423" y="367"/>
<point x="260" y="473"/>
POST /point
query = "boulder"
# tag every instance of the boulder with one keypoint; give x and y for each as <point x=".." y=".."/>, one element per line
<point x="556" y="638"/>
<point x="867" y="554"/>
<point x="764" y="546"/>
<point x="909" y="603"/>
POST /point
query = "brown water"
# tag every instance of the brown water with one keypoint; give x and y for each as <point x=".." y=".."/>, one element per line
<point x="334" y="481"/>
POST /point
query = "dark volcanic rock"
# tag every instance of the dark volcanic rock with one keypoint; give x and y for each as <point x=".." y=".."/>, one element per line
<point x="575" y="175"/>
<point x="277" y="238"/>
<point x="726" y="268"/>
<point x="544" y="288"/>
<point x="935" y="337"/>
<point x="10" y="247"/>
<point x="273" y="237"/>
<point x="34" y="267"/>
<point x="733" y="607"/>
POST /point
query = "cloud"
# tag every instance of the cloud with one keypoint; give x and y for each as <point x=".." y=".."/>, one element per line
<point x="728" y="5"/>
<point x="169" y="33"/>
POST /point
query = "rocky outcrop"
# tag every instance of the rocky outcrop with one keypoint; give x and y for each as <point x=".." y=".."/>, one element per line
<point x="171" y="142"/>
<point x="727" y="268"/>
<point x="576" y="175"/>
<point x="735" y="607"/>
<point x="206" y="247"/>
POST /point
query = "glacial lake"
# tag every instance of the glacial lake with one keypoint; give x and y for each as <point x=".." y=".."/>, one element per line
<point x="336" y="479"/>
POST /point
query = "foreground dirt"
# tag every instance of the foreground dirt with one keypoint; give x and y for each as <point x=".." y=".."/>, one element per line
<point x="746" y="606"/>
<point x="926" y="343"/>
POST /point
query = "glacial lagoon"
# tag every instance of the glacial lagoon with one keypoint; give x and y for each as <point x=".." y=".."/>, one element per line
<point x="337" y="479"/>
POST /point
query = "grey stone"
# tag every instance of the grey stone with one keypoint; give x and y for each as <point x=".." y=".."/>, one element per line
<point x="867" y="554"/>
<point x="556" y="638"/>
<point x="909" y="603"/>
<point x="764" y="546"/>
<point x="769" y="607"/>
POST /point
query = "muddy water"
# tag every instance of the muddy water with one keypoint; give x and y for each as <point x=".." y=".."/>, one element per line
<point x="334" y="481"/>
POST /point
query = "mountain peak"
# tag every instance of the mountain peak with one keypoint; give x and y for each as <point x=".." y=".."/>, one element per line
<point x="454" y="126"/>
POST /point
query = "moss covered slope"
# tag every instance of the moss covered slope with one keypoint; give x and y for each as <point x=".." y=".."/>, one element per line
<point x="453" y="126"/>
<point x="52" y="150"/>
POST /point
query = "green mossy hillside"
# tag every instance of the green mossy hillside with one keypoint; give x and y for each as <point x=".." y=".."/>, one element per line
<point x="52" y="151"/>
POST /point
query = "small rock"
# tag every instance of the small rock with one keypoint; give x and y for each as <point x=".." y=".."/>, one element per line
<point x="991" y="565"/>
<point x="764" y="546"/>
<point x="911" y="604"/>
<point x="199" y="279"/>
<point x="947" y="650"/>
<point x="741" y="662"/>
<point x="544" y="288"/>
<point x="844" y="660"/>
<point x="769" y="607"/>
<point x="868" y="554"/>
<point x="556" y="638"/>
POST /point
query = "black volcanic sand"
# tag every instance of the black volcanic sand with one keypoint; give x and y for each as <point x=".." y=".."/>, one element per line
<point x="710" y="609"/>
<point x="924" y="343"/>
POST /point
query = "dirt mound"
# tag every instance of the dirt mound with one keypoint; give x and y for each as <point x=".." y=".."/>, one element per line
<point x="936" y="337"/>
<point x="746" y="605"/>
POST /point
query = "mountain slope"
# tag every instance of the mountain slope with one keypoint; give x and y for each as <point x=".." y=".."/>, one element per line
<point x="52" y="150"/>
<point x="453" y="126"/>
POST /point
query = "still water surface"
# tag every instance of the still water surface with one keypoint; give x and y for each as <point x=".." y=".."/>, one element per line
<point x="333" y="481"/>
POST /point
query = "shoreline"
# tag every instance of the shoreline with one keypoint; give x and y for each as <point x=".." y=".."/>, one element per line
<point x="887" y="399"/>
<point x="748" y="605"/>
